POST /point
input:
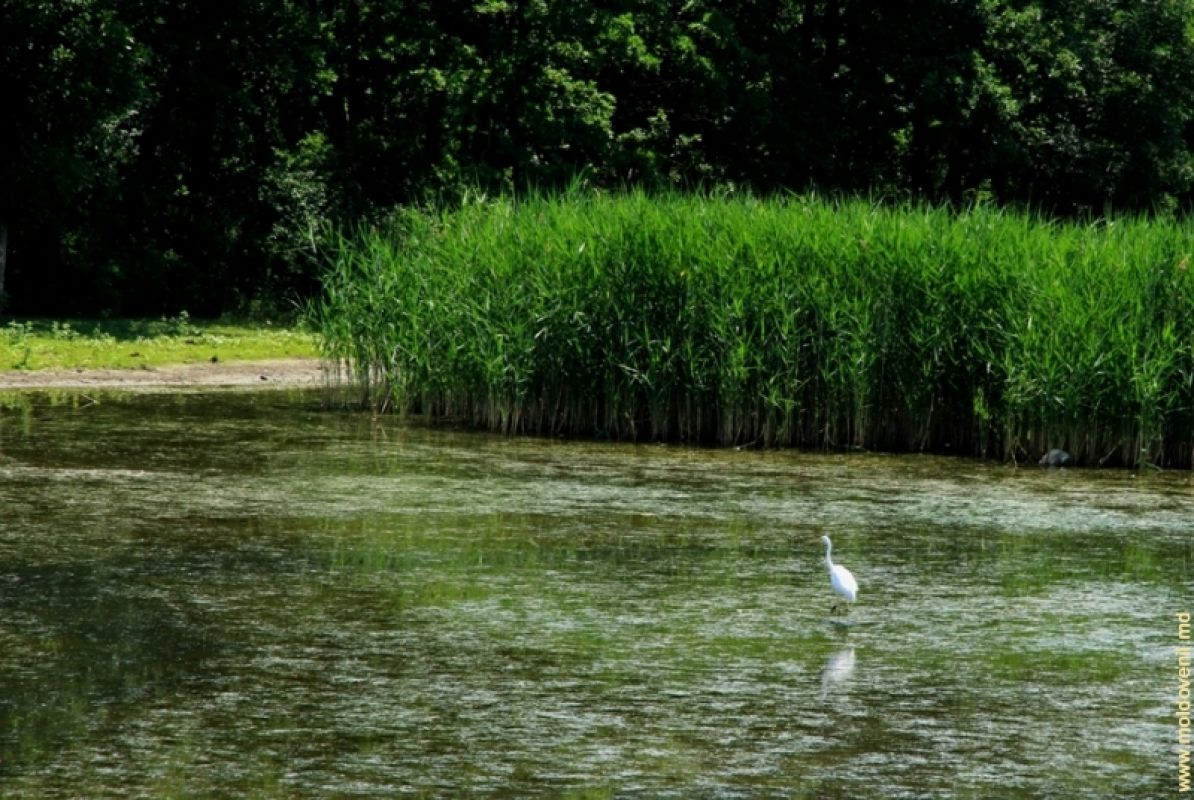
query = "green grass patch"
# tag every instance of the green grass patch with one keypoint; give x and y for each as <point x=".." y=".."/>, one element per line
<point x="132" y="344"/>
<point x="783" y="321"/>
<point x="1091" y="668"/>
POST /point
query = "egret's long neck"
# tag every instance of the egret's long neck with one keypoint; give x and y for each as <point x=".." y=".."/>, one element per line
<point x="828" y="560"/>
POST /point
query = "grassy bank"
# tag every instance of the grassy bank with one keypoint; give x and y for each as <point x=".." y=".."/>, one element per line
<point x="779" y="322"/>
<point x="134" y="344"/>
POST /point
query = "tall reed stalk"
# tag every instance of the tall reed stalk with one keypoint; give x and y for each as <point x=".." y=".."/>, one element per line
<point x="783" y="321"/>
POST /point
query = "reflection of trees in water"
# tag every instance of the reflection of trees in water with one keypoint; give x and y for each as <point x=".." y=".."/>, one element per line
<point x="82" y="654"/>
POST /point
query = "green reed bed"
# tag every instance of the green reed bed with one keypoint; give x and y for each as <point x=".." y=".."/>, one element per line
<point x="785" y="321"/>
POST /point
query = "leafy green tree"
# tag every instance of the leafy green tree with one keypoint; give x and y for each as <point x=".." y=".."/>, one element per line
<point x="431" y="96"/>
<point x="1099" y="102"/>
<point x="73" y="79"/>
<point x="221" y="140"/>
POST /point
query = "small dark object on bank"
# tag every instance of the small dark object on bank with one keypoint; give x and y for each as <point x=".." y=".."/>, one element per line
<point x="1055" y="458"/>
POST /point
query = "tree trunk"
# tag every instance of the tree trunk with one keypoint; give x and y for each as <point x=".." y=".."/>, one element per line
<point x="3" y="257"/>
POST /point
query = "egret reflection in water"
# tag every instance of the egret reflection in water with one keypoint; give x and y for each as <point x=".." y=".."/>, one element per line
<point x="838" y="669"/>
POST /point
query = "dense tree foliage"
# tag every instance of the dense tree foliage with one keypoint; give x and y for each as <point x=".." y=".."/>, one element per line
<point x="160" y="155"/>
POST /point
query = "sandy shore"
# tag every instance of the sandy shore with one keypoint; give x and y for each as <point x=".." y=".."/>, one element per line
<point x="282" y="373"/>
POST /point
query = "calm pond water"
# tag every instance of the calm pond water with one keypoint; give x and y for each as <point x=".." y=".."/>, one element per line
<point x="244" y="594"/>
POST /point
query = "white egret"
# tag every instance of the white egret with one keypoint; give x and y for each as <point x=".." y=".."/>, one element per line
<point x="841" y="578"/>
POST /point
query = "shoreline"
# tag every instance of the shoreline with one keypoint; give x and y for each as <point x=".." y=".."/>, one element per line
<point x="268" y="374"/>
